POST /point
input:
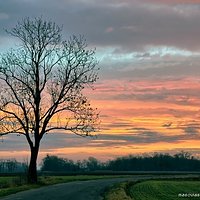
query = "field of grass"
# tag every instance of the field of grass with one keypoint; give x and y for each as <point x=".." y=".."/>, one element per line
<point x="155" y="190"/>
<point x="14" y="184"/>
<point x="165" y="190"/>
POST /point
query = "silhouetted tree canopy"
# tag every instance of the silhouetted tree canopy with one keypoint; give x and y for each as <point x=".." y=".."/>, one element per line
<point x="42" y="83"/>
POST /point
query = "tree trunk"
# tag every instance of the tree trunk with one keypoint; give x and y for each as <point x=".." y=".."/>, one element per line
<point x="32" y="169"/>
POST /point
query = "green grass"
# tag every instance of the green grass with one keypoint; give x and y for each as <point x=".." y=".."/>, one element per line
<point x="6" y="181"/>
<point x="164" y="190"/>
<point x="117" y="192"/>
<point x="50" y="180"/>
<point x="154" y="190"/>
<point x="14" y="184"/>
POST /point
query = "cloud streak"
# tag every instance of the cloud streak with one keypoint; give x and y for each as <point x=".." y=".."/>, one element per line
<point x="128" y="26"/>
<point x="174" y="2"/>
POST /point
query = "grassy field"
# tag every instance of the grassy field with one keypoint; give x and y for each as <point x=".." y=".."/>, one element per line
<point x="14" y="184"/>
<point x="164" y="190"/>
<point x="155" y="190"/>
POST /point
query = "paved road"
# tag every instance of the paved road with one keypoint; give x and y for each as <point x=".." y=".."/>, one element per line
<point x="79" y="190"/>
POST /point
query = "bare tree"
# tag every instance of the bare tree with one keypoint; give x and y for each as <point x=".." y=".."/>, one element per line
<point x="42" y="83"/>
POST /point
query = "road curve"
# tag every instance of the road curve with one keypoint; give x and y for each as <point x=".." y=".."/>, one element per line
<point x="79" y="190"/>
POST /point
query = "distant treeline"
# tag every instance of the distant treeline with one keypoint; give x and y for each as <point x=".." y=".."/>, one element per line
<point x="182" y="161"/>
<point x="12" y="166"/>
<point x="157" y="162"/>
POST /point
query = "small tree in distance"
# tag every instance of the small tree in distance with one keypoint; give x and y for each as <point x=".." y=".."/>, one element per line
<point x="42" y="83"/>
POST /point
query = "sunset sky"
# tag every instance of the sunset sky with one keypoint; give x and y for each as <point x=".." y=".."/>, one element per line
<point x="148" y="94"/>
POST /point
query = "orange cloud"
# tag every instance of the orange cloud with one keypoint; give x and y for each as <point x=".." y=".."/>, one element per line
<point x="148" y="104"/>
<point x="137" y="117"/>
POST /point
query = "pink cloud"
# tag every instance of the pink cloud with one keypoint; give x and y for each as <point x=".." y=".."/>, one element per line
<point x="109" y="30"/>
